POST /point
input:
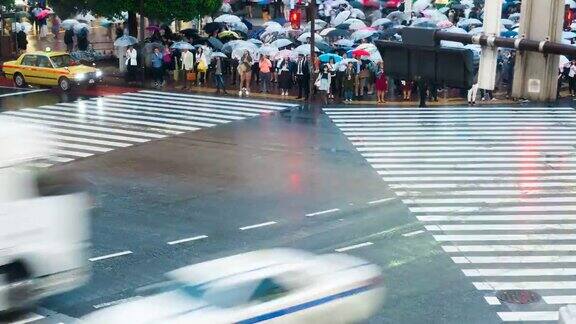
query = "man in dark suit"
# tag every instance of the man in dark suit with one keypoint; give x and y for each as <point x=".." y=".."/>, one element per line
<point x="302" y="74"/>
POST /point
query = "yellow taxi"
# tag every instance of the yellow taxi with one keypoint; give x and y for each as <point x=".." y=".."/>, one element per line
<point x="50" y="69"/>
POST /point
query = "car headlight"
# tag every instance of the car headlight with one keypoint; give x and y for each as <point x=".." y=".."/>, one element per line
<point x="98" y="73"/>
<point x="80" y="76"/>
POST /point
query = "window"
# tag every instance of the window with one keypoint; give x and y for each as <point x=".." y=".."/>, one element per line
<point x="44" y="62"/>
<point x="30" y="60"/>
<point x="268" y="290"/>
<point x="61" y="61"/>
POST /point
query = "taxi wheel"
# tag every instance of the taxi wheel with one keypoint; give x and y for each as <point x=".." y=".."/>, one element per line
<point x="64" y="84"/>
<point x="19" y="80"/>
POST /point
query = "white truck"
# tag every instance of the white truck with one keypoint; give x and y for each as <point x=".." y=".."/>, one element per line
<point x="44" y="222"/>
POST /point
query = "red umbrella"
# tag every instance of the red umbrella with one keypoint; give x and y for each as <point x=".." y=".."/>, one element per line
<point x="360" y="52"/>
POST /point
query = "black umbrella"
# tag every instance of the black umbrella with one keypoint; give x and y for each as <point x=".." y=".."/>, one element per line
<point x="337" y="33"/>
<point x="343" y="26"/>
<point x="247" y="23"/>
<point x="216" y="43"/>
<point x="189" y="32"/>
<point x="323" y="46"/>
<point x="212" y="27"/>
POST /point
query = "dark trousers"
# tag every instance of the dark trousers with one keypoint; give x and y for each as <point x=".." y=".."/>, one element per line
<point x="422" y="89"/>
<point x="131" y="73"/>
<point x="303" y="86"/>
<point x="158" y="73"/>
<point x="219" y="78"/>
<point x="572" y="85"/>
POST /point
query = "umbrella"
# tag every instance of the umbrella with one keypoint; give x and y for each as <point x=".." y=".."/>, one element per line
<point x="563" y="61"/>
<point x="514" y="17"/>
<point x="104" y="22"/>
<point x="370" y="47"/>
<point x="304" y="37"/>
<point x="85" y="17"/>
<point x="341" y="17"/>
<point x="355" y="24"/>
<point x="420" y="5"/>
<point x="456" y="30"/>
<point x="507" y="22"/>
<point x="36" y="11"/>
<point x="226" y="18"/>
<point x="304" y="49"/>
<point x="44" y="13"/>
<point x="282" y="42"/>
<point x="325" y="58"/>
<point x="451" y="44"/>
<point x="228" y="34"/>
<point x="226" y="8"/>
<point x="382" y="22"/>
<point x="256" y="42"/>
<point x="79" y="27"/>
<point x="218" y="54"/>
<point x="568" y="35"/>
<point x="283" y="54"/>
<point x="268" y="50"/>
<point x="398" y="17"/>
<point x="338" y="33"/>
<point x="510" y="34"/>
<point x="209" y="28"/>
<point x="357" y="13"/>
<point x="318" y="23"/>
<point x="68" y="23"/>
<point x="362" y="34"/>
<point x="238" y="26"/>
<point x="445" y="24"/>
<point x="239" y="52"/>
<point x="149" y="47"/>
<point x="348" y="60"/>
<point x="271" y="23"/>
<point x="126" y="40"/>
<point x="216" y="43"/>
<point x="344" y="43"/>
<point x="476" y="31"/>
<point x="323" y="46"/>
<point x="425" y="24"/>
<point x="471" y="22"/>
<point x="21" y="14"/>
<point x="325" y="31"/>
<point x="358" y="52"/>
<point x="182" y="45"/>
<point x="189" y="32"/>
<point x="247" y="24"/>
<point x="375" y="57"/>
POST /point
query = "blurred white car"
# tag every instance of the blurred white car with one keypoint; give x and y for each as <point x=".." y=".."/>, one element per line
<point x="272" y="286"/>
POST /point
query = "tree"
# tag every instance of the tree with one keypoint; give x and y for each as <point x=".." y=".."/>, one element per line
<point x="7" y="4"/>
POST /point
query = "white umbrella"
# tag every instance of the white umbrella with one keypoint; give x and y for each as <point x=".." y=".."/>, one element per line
<point x="256" y="42"/>
<point x="218" y="54"/>
<point x="355" y="24"/>
<point x="177" y="45"/>
<point x="420" y="5"/>
<point x="78" y="27"/>
<point x="271" y="23"/>
<point x="319" y="23"/>
<point x="370" y="47"/>
<point x="268" y="50"/>
<point x="239" y="52"/>
<point x="514" y="17"/>
<point x="304" y="37"/>
<point x="226" y="8"/>
<point x="304" y="49"/>
<point x="456" y="30"/>
<point x="283" y="54"/>
<point x="361" y="34"/>
<point x="451" y="44"/>
<point x="344" y="42"/>
<point x="476" y="31"/>
<point x="568" y="35"/>
<point x="325" y="31"/>
<point x="239" y="26"/>
<point x="563" y="61"/>
<point x="357" y="13"/>
<point x="571" y="3"/>
<point x="227" y="18"/>
<point x="68" y="23"/>
<point x="85" y="17"/>
<point x="341" y="17"/>
<point x="381" y="22"/>
<point x="507" y="22"/>
<point x="127" y="40"/>
<point x="282" y="42"/>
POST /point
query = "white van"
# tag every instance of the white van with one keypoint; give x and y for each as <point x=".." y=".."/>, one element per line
<point x="44" y="222"/>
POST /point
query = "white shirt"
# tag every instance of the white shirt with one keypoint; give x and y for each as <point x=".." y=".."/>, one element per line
<point x="572" y="72"/>
<point x="187" y="60"/>
<point x="131" y="57"/>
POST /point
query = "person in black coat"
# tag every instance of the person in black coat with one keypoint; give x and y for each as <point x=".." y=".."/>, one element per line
<point x="69" y="40"/>
<point x="302" y="73"/>
<point x="22" y="40"/>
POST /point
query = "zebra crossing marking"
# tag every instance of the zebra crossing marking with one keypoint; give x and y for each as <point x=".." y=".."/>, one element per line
<point x="96" y="126"/>
<point x="495" y="186"/>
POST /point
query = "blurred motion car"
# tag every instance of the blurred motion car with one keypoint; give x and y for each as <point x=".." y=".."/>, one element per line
<point x="44" y="222"/>
<point x="50" y="68"/>
<point x="274" y="286"/>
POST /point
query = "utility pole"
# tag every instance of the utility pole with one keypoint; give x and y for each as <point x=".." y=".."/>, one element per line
<point x="489" y="56"/>
<point x="141" y="39"/>
<point x="312" y="15"/>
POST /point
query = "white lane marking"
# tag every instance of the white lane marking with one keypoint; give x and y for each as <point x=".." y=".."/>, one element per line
<point x="21" y="93"/>
<point x="450" y="128"/>
<point x="516" y="259"/>
<point x="323" y="212"/>
<point x="457" y="200"/>
<point x="257" y="225"/>
<point x="508" y="248"/>
<point x="437" y="110"/>
<point x="39" y="165"/>
<point x="70" y="153"/>
<point x="469" y="166"/>
<point x="524" y="272"/>
<point x="91" y="148"/>
<point x="480" y="186"/>
<point x="513" y="177"/>
<point x="75" y="123"/>
<point x="449" y="194"/>
<point x="558" y="300"/>
<point x="108" y="256"/>
<point x="483" y="218"/>
<point x="452" y="172"/>
<point x="384" y="141"/>
<point x="116" y="302"/>
<point x="189" y="239"/>
<point x="501" y="227"/>
<point x="510" y="138"/>
<point x="413" y="233"/>
<point x="491" y="300"/>
<point x="260" y="109"/>
<point x="353" y="247"/>
<point x="473" y="159"/>
<point x="373" y="202"/>
<point x="521" y="285"/>
<point x="500" y="116"/>
<point x="225" y="99"/>
<point x="506" y="237"/>
<point x="528" y="316"/>
<point x="30" y="318"/>
<point x="59" y="159"/>
<point x="450" y="209"/>
<point x="53" y="135"/>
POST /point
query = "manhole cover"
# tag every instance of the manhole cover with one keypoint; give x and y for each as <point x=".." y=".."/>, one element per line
<point x="518" y="296"/>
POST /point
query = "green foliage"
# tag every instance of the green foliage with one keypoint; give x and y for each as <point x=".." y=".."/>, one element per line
<point x="8" y="4"/>
<point x="163" y="10"/>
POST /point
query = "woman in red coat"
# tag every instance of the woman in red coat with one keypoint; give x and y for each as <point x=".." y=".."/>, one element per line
<point x="381" y="83"/>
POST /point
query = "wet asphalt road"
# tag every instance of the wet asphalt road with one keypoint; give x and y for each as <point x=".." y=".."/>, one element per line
<point x="273" y="170"/>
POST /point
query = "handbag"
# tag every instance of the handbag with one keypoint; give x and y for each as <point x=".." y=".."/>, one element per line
<point x="190" y="76"/>
<point x="202" y="67"/>
<point x="317" y="83"/>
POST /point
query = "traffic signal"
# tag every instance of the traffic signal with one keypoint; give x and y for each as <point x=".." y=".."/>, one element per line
<point x="568" y="17"/>
<point x="295" y="17"/>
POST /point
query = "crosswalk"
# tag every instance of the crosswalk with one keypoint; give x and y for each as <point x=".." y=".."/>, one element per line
<point x="495" y="186"/>
<point x="95" y="126"/>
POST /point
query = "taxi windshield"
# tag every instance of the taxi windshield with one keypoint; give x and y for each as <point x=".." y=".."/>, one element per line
<point x="61" y="61"/>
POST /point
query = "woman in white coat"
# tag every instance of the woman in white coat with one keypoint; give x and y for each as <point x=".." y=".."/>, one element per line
<point x="323" y="83"/>
<point x="131" y="63"/>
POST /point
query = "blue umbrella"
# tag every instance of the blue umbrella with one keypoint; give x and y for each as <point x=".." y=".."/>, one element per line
<point x="125" y="40"/>
<point x="255" y="33"/>
<point x="509" y="34"/>
<point x="247" y="23"/>
<point x="325" y="58"/>
<point x="182" y="45"/>
<point x="281" y="20"/>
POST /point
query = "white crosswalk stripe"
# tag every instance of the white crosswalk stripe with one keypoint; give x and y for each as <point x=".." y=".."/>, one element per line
<point x="495" y="186"/>
<point x="95" y="126"/>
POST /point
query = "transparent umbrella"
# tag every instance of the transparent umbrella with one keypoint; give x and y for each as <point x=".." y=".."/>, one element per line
<point x="282" y="42"/>
<point x="382" y="22"/>
<point x="68" y="23"/>
<point x="227" y="18"/>
<point x="268" y="50"/>
<point x="81" y="26"/>
<point x="182" y="45"/>
<point x="305" y="36"/>
<point x="125" y="40"/>
<point x="341" y="17"/>
<point x="304" y="49"/>
<point x="362" y="34"/>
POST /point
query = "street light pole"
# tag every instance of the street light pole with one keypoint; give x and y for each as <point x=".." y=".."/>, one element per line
<point x="141" y="39"/>
<point x="312" y="18"/>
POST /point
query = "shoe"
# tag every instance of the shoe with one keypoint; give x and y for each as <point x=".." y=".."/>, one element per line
<point x="247" y="93"/>
<point x="240" y="93"/>
<point x="473" y="103"/>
